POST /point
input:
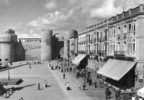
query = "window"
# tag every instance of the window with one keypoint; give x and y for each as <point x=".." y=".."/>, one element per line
<point x="125" y="29"/>
<point x="130" y="27"/>
<point x="133" y="48"/>
<point x="0" y="59"/>
<point x="114" y="32"/>
<point x="118" y="30"/>
<point x="134" y="27"/>
<point x="6" y="59"/>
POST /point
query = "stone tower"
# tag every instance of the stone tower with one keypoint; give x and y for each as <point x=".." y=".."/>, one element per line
<point x="46" y="46"/>
<point x="7" y="50"/>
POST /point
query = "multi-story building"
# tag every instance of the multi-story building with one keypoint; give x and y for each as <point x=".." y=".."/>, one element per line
<point x="71" y="44"/>
<point x="32" y="48"/>
<point x="31" y="43"/>
<point x="121" y="35"/>
<point x="37" y="47"/>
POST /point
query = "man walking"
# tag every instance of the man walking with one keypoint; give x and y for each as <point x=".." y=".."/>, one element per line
<point x="108" y="93"/>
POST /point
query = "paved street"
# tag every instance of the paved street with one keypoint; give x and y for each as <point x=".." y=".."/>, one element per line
<point x="57" y="89"/>
<point x="38" y="73"/>
<point x="77" y="93"/>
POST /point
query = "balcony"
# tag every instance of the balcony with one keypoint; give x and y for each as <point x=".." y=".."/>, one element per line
<point x="119" y="53"/>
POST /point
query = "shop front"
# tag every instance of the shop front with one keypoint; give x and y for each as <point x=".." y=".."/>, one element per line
<point x="119" y="74"/>
<point x="80" y="62"/>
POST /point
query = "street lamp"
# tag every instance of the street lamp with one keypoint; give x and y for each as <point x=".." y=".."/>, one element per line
<point x="8" y="65"/>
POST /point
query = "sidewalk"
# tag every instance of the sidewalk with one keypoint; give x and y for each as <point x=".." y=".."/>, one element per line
<point x="95" y="93"/>
<point x="76" y="93"/>
<point x="28" y="89"/>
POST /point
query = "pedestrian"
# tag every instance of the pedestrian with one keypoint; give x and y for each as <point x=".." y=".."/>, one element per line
<point x="64" y="75"/>
<point x="140" y="99"/>
<point x="95" y="84"/>
<point x="21" y="98"/>
<point x="117" y="95"/>
<point x="46" y="84"/>
<point x="38" y="86"/>
<point x="108" y="93"/>
<point x="90" y="81"/>
<point x="30" y="66"/>
<point x="133" y="98"/>
<point x="84" y="86"/>
<point x="10" y="91"/>
<point x="68" y="86"/>
<point x="59" y="67"/>
<point x="70" y="69"/>
<point x="50" y="65"/>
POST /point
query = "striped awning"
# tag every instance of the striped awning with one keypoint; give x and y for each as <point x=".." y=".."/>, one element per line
<point x="116" y="69"/>
<point x="78" y="59"/>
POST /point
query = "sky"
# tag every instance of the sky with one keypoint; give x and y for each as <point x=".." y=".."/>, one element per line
<point x="30" y="17"/>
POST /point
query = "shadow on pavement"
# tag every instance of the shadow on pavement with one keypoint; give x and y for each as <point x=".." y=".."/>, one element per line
<point x="9" y="68"/>
<point x="21" y="87"/>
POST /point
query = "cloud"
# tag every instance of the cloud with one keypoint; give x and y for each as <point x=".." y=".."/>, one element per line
<point x="106" y="10"/>
<point x="33" y="23"/>
<point x="70" y="16"/>
<point x="52" y="19"/>
<point x="28" y="32"/>
<point x="24" y="35"/>
<point x="58" y="21"/>
<point x="72" y="13"/>
<point x="4" y="2"/>
<point x="72" y="1"/>
<point x="50" y="5"/>
<point x="64" y="15"/>
<point x="15" y="26"/>
<point x="131" y="3"/>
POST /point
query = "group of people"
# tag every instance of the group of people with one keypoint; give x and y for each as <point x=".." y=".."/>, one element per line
<point x="121" y="94"/>
<point x="45" y="85"/>
<point x="108" y="93"/>
<point x="61" y="66"/>
<point x="86" y="77"/>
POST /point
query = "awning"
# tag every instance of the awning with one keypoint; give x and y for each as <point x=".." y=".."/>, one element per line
<point x="116" y="69"/>
<point x="140" y="92"/>
<point x="78" y="59"/>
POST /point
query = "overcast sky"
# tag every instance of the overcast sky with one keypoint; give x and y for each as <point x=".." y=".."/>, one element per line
<point x="29" y="17"/>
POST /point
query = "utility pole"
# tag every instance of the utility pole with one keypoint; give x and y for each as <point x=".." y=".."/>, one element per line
<point x="68" y="52"/>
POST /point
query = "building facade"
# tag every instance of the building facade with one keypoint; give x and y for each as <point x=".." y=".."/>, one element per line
<point x="71" y="45"/>
<point x="121" y="35"/>
<point x="32" y="48"/>
<point x="48" y="46"/>
<point x="11" y="48"/>
<point x="31" y="43"/>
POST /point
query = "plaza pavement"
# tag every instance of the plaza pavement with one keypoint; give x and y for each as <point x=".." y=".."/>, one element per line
<point x="56" y="91"/>
<point x="76" y="93"/>
<point x="28" y="89"/>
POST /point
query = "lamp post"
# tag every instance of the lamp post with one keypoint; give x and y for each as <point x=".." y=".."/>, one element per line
<point x="8" y="65"/>
<point x="8" y="74"/>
